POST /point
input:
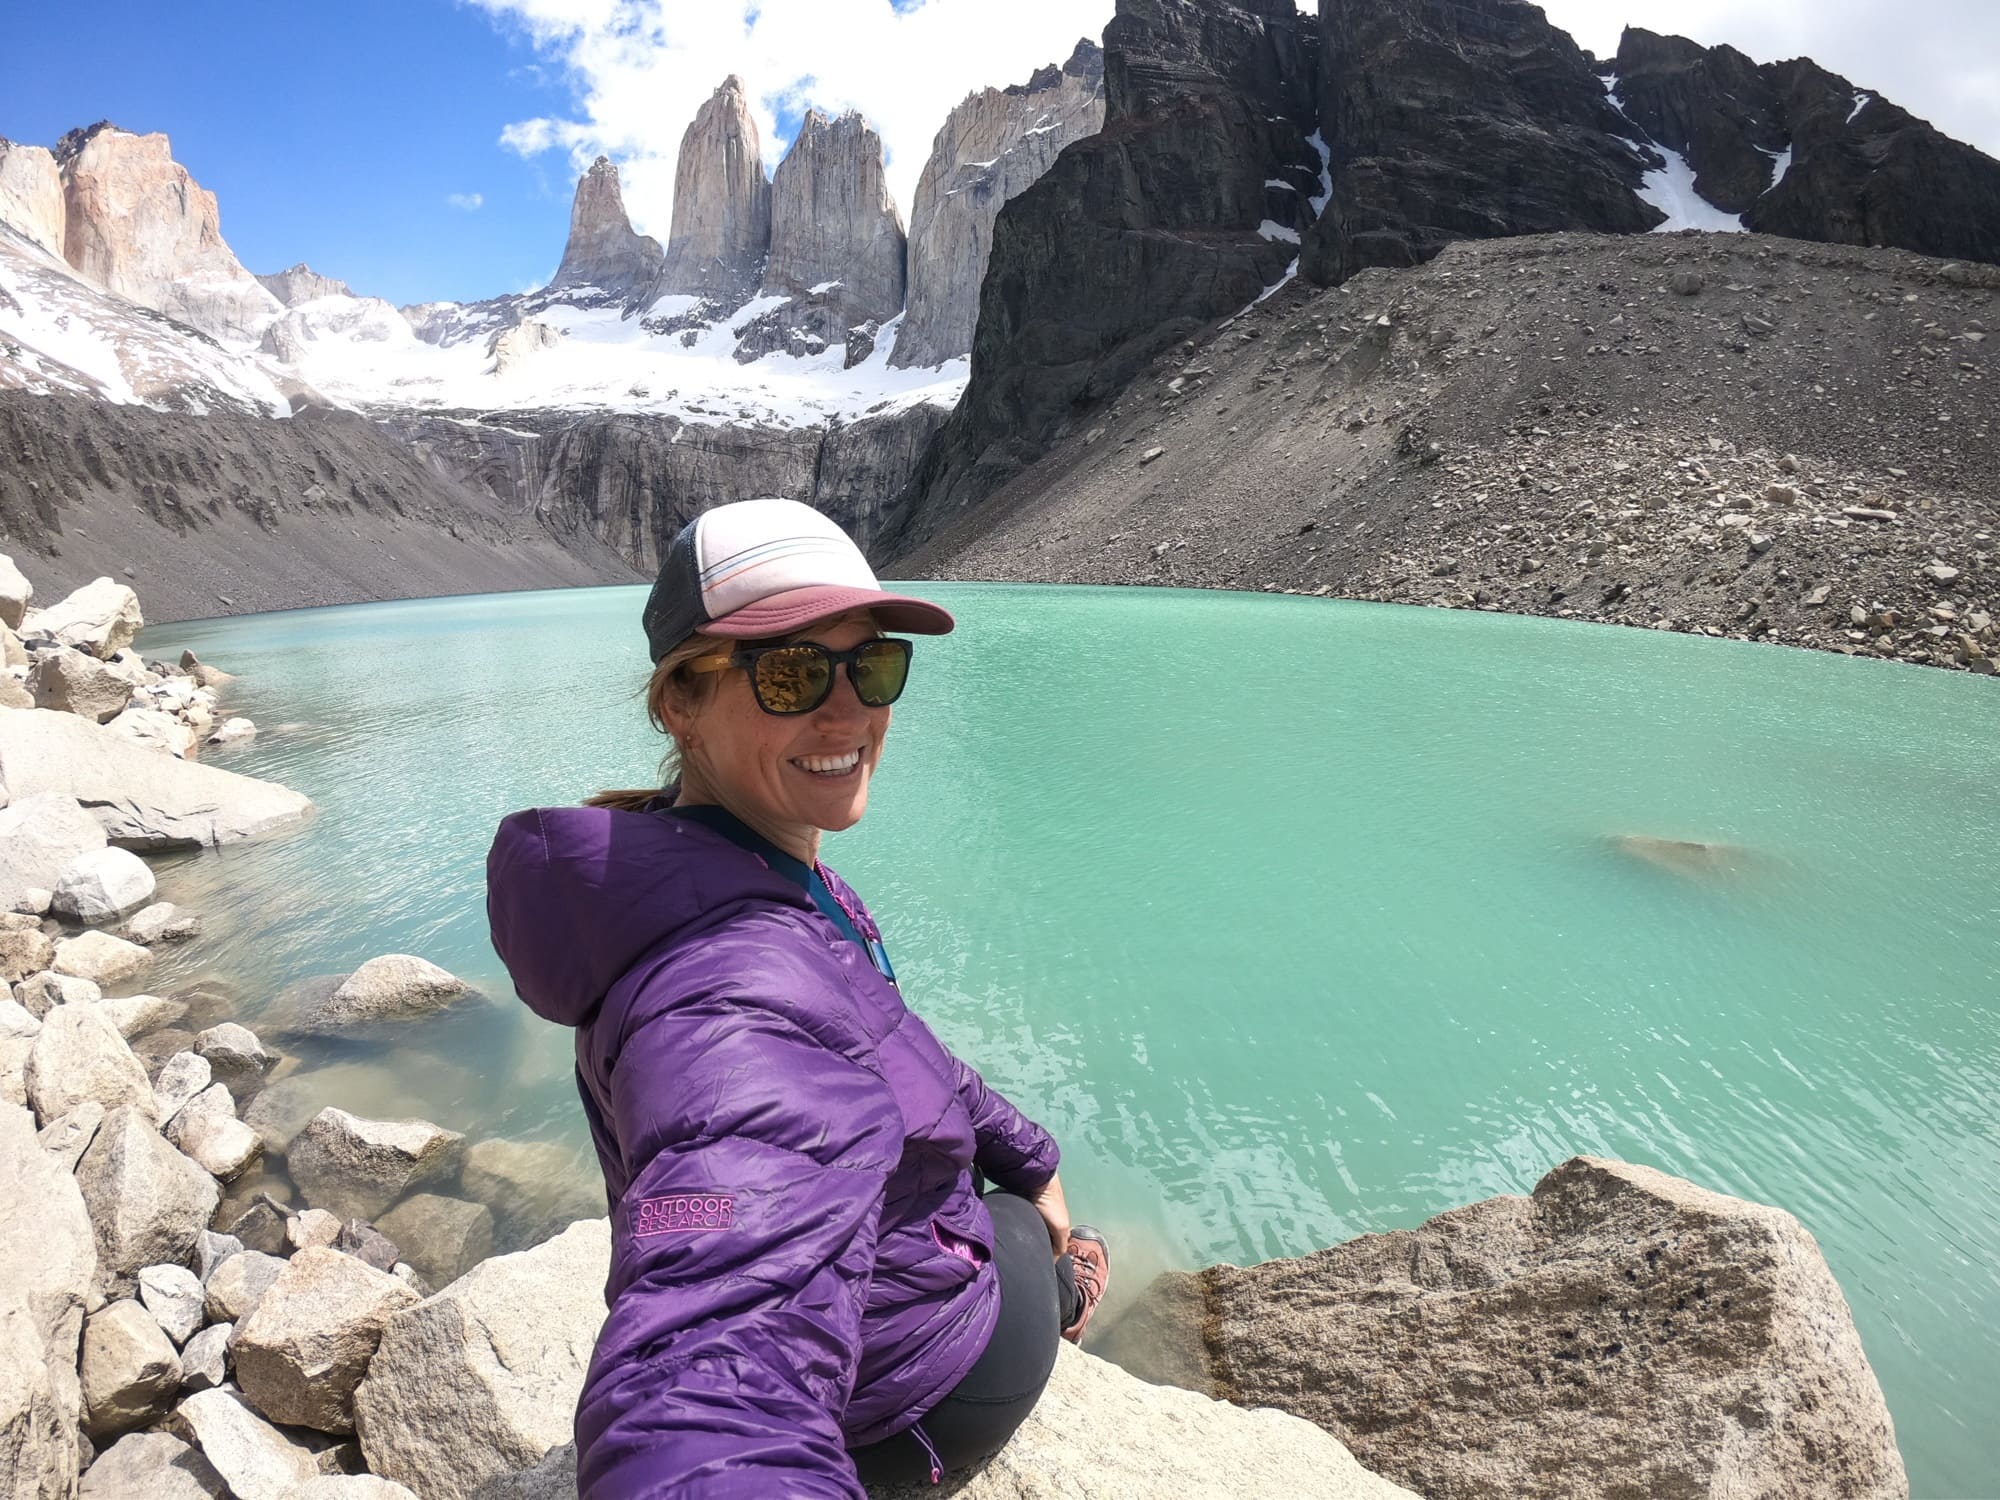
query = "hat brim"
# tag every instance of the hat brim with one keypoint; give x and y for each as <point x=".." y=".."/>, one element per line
<point x="781" y="614"/>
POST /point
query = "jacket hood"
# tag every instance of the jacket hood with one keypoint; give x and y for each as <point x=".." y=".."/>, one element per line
<point x="576" y="895"/>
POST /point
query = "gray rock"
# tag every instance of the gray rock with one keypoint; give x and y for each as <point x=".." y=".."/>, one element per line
<point x="351" y="1487"/>
<point x="235" y="1287"/>
<point x="314" y="1228"/>
<point x="172" y="1294"/>
<point x="67" y="1138"/>
<point x="71" y="682"/>
<point x="151" y="1466"/>
<point x="481" y="1380"/>
<point x="100" y="958"/>
<point x="1097" y="1430"/>
<point x="41" y="833"/>
<point x="138" y="1015"/>
<point x="302" y="1352"/>
<point x="368" y="1244"/>
<point x="33" y="900"/>
<point x="142" y="799"/>
<point x="261" y="1226"/>
<point x="211" y="1250"/>
<point x="1620" y="1332"/>
<point x="225" y="1147"/>
<point x="183" y="1076"/>
<point x="357" y="1167"/>
<point x="48" y="1276"/>
<point x="205" y="1359"/>
<point x="235" y="1057"/>
<point x="100" y="618"/>
<point x="162" y="922"/>
<point x="153" y="729"/>
<point x="441" y="1237"/>
<point x="78" y="1058"/>
<point x="393" y="987"/>
<point x="45" y="989"/>
<point x="147" y="1202"/>
<point x="23" y="951"/>
<point x="15" y="592"/>
<point x="129" y="1370"/>
<point x="235" y="730"/>
<point x="257" y="1461"/>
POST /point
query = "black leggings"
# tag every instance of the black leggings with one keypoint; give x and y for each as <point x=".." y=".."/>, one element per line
<point x="1038" y="1299"/>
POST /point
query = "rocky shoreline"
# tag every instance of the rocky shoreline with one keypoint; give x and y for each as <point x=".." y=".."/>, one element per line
<point x="213" y="1283"/>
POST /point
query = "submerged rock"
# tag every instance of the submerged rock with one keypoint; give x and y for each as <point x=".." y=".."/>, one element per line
<point x="357" y="1167"/>
<point x="1620" y="1332"/>
<point x="1686" y="856"/>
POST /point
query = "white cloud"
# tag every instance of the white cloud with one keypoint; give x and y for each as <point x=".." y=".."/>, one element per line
<point x="641" y="68"/>
<point x="1936" y="58"/>
<point x="466" y="201"/>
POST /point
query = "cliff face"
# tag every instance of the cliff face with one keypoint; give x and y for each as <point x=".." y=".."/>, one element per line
<point x="832" y="220"/>
<point x="300" y="283"/>
<point x="993" y="146"/>
<point x="137" y="224"/>
<point x="1136" y="236"/>
<point x="1856" y="169"/>
<point x="603" y="252"/>
<point x="31" y="194"/>
<point x="1461" y="119"/>
<point x="722" y="203"/>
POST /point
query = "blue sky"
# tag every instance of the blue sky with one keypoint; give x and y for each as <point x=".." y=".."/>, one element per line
<point x="330" y="134"/>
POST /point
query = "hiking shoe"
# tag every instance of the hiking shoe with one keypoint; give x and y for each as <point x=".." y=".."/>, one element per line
<point x="1091" y="1258"/>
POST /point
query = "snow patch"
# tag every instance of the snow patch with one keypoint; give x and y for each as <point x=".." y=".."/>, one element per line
<point x="823" y="288"/>
<point x="1275" y="287"/>
<point x="1317" y="141"/>
<point x="1781" y="165"/>
<point x="1671" y="188"/>
<point x="1861" y="102"/>
<point x="1271" y="229"/>
<point x="1273" y="182"/>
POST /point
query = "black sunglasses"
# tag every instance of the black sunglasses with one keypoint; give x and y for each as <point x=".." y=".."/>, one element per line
<point x="797" y="678"/>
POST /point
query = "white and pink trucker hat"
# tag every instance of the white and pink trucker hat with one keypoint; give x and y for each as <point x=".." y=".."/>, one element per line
<point x="760" y="568"/>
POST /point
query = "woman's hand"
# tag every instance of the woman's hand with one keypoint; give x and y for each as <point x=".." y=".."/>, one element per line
<point x="1049" y="1203"/>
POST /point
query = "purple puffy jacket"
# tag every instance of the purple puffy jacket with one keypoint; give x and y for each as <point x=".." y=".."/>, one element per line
<point x="799" y="1263"/>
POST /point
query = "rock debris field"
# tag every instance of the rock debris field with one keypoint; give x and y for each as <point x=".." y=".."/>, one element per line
<point x="1734" y="435"/>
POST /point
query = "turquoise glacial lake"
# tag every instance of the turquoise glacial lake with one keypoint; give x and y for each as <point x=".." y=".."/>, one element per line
<point x="1293" y="919"/>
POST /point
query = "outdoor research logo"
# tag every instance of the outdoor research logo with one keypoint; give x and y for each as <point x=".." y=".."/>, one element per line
<point x="683" y="1213"/>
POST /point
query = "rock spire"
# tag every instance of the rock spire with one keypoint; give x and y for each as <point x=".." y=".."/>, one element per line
<point x="31" y="194"/>
<point x="138" y="225"/>
<point x="722" y="202"/>
<point x="301" y="283"/>
<point x="603" y="251"/>
<point x="832" y="219"/>
<point x="992" y="147"/>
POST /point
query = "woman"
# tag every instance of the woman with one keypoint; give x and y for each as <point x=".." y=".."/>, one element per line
<point x="807" y="1291"/>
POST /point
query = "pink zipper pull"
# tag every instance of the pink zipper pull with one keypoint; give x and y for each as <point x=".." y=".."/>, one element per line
<point x="937" y="1465"/>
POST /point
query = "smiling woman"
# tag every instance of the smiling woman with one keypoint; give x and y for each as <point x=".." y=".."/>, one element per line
<point x="809" y="1288"/>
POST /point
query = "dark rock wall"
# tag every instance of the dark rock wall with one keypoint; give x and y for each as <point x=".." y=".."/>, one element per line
<point x="1461" y="119"/>
<point x="1137" y="235"/>
<point x="1713" y="105"/>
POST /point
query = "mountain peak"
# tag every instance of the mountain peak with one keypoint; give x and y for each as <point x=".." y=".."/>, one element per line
<point x="722" y="201"/>
<point x="603" y="249"/>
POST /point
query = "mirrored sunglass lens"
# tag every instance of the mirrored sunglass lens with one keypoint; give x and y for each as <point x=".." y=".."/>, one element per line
<point x="879" y="673"/>
<point x="793" y="680"/>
